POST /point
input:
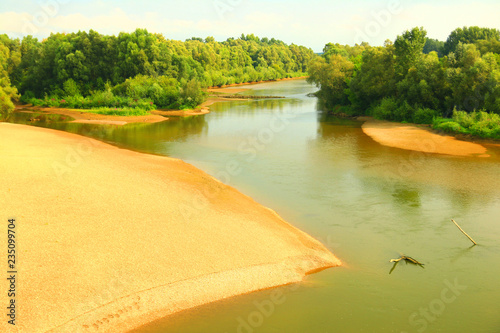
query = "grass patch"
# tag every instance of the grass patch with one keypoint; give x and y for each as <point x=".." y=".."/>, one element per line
<point x="119" y="111"/>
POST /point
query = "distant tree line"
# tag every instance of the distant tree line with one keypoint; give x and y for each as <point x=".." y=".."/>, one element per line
<point x="65" y="69"/>
<point x="417" y="79"/>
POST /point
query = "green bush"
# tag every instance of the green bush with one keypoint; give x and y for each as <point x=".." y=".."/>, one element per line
<point x="404" y="112"/>
<point x="125" y="111"/>
<point x="163" y="91"/>
<point x="478" y="123"/>
<point x="463" y="118"/>
<point x="6" y="104"/>
<point x="71" y="88"/>
<point x="192" y="94"/>
<point x="424" y="116"/>
<point x="98" y="100"/>
<point x="27" y="96"/>
<point x="449" y="127"/>
<point x="386" y="109"/>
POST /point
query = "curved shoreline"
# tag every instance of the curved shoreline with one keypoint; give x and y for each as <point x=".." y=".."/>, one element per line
<point x="155" y="116"/>
<point x="133" y="237"/>
<point x="257" y="82"/>
<point x="83" y="117"/>
<point x="415" y="138"/>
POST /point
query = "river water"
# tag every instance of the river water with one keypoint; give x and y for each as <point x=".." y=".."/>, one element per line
<point x="367" y="203"/>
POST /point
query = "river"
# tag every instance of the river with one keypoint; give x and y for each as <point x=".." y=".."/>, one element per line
<point x="366" y="202"/>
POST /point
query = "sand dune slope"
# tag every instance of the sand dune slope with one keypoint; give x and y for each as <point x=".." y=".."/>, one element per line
<point x="109" y="239"/>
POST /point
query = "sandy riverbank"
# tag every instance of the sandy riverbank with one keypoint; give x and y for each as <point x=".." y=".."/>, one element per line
<point x="221" y="88"/>
<point x="111" y="239"/>
<point x="80" y="116"/>
<point x="417" y="138"/>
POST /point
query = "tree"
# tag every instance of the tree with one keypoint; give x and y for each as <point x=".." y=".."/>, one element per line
<point x="474" y="79"/>
<point x="331" y="49"/>
<point x="408" y="50"/>
<point x="469" y="35"/>
<point x="425" y="84"/>
<point x="434" y="45"/>
<point x="7" y="92"/>
<point x="333" y="76"/>
<point x="375" y="78"/>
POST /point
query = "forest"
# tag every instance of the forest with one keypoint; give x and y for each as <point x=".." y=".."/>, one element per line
<point x="453" y="85"/>
<point x="135" y="72"/>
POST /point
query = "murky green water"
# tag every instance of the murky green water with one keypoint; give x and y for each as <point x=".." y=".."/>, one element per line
<point x="366" y="202"/>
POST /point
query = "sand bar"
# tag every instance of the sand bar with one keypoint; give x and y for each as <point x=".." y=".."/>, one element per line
<point x="89" y="117"/>
<point x="111" y="239"/>
<point x="83" y="117"/>
<point x="416" y="138"/>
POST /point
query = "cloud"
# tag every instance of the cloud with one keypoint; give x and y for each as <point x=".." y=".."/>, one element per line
<point x="14" y="23"/>
<point x="311" y="24"/>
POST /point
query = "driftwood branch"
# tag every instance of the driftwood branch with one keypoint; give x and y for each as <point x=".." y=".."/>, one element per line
<point x="405" y="259"/>
<point x="462" y="230"/>
<point x="408" y="259"/>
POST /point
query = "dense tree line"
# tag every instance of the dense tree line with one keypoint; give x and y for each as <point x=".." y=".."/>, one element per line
<point x="84" y="63"/>
<point x="417" y="79"/>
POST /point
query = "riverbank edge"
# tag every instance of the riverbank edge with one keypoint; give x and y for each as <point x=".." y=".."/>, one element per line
<point x="257" y="82"/>
<point x="290" y="271"/>
<point x="419" y="138"/>
<point x="155" y="116"/>
<point x="152" y="303"/>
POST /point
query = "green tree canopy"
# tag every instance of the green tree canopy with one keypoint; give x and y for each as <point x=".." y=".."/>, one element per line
<point x="469" y="35"/>
<point x="408" y="50"/>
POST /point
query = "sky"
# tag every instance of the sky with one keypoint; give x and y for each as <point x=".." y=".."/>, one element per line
<point x="311" y="23"/>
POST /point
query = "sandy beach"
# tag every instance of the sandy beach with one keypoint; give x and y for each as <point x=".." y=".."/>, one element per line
<point x="110" y="239"/>
<point x="417" y="138"/>
<point x="80" y="116"/>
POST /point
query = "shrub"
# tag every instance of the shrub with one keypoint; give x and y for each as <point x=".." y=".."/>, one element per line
<point x="192" y="94"/>
<point x="424" y="116"/>
<point x="449" y="127"/>
<point x="479" y="123"/>
<point x="162" y="91"/>
<point x="27" y="96"/>
<point x="463" y="118"/>
<point x="6" y="104"/>
<point x="126" y="111"/>
<point x="386" y="109"/>
<point x="71" y="88"/>
<point x="404" y="112"/>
